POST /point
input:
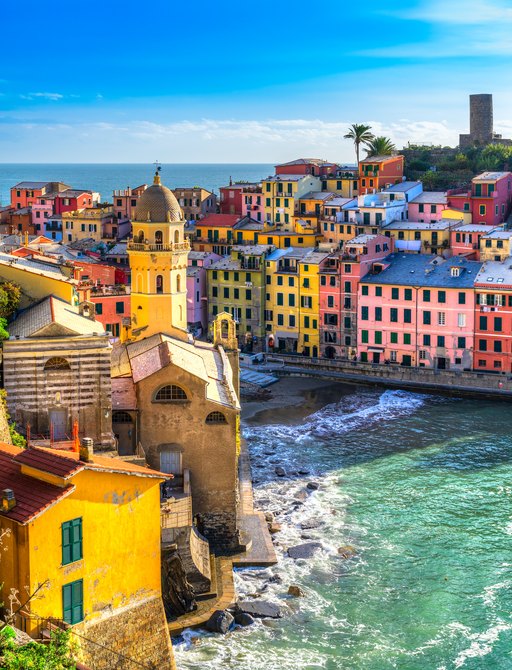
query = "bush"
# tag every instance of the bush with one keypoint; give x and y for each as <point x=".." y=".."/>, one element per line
<point x="56" y="655"/>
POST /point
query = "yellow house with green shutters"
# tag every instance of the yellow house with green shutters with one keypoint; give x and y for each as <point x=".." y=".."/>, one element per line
<point x="281" y="194"/>
<point x="292" y="300"/>
<point x="82" y="533"/>
<point x="236" y="285"/>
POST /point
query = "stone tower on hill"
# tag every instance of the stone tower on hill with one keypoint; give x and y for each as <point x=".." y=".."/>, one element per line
<point x="481" y="129"/>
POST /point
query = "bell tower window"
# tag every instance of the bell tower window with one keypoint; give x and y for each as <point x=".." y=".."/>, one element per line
<point x="159" y="284"/>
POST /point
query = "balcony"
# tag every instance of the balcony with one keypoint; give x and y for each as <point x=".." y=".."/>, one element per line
<point x="142" y="246"/>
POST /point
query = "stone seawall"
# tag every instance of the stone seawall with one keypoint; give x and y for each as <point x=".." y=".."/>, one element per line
<point x="135" y="637"/>
<point x="453" y="382"/>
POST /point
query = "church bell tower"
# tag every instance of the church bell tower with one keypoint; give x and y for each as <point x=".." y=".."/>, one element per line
<point x="158" y="256"/>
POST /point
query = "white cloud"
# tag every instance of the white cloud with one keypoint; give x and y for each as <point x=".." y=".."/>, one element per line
<point x="459" y="12"/>
<point x="46" y="96"/>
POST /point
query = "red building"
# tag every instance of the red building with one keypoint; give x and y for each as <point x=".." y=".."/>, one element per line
<point x="493" y="318"/>
<point x="111" y="308"/>
<point x="378" y="172"/>
<point x="313" y="166"/>
<point x="231" y="200"/>
<point x="489" y="199"/>
<point x="27" y="193"/>
<point x="71" y="200"/>
<point x="465" y="240"/>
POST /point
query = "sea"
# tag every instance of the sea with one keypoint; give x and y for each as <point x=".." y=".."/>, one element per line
<point x="107" y="177"/>
<point x="417" y="492"/>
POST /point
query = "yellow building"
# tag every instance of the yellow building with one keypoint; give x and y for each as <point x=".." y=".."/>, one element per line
<point x="292" y="304"/>
<point x="38" y="280"/>
<point x="496" y="246"/>
<point x="418" y="237"/>
<point x="286" y="240"/>
<point x="158" y="257"/>
<point x="281" y="194"/>
<point x="84" y="532"/>
<point x="86" y="223"/>
<point x="344" y="183"/>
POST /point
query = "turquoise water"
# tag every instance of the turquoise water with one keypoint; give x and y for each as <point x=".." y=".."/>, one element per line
<point x="104" y="177"/>
<point x="421" y="487"/>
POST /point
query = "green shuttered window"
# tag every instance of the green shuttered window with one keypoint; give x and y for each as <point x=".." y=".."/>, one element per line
<point x="73" y="602"/>
<point x="71" y="541"/>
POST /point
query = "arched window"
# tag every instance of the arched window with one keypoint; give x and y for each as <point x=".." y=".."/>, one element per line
<point x="140" y="237"/>
<point x="176" y="236"/>
<point x="121" y="417"/>
<point x="57" y="363"/>
<point x="170" y="393"/>
<point x="159" y="284"/>
<point x="215" y="417"/>
<point x="159" y="237"/>
<point x="178" y="283"/>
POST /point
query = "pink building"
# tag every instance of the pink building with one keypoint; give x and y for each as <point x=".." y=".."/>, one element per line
<point x="40" y="213"/>
<point x="125" y="201"/>
<point x="465" y="240"/>
<point x="253" y="204"/>
<point x="428" y="206"/>
<point x="340" y="274"/>
<point x="489" y="200"/>
<point x="416" y="310"/>
<point x="197" y="290"/>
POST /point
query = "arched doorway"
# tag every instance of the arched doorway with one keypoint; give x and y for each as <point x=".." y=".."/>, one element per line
<point x="123" y="426"/>
<point x="315" y="352"/>
<point x="330" y="352"/>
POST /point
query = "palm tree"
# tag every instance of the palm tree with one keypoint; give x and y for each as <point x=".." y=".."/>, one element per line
<point x="380" y="146"/>
<point x="359" y="133"/>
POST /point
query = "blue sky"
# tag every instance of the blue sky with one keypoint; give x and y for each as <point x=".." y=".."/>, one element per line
<point x="118" y="81"/>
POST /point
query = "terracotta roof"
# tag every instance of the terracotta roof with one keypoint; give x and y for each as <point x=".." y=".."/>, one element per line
<point x="220" y="220"/>
<point x="45" y="460"/>
<point x="66" y="464"/>
<point x="32" y="495"/>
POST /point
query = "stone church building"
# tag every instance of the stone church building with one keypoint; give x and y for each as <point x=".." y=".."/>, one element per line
<point x="175" y="399"/>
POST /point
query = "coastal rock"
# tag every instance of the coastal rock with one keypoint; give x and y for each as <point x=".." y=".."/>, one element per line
<point x="311" y="524"/>
<point x="280" y="472"/>
<point x="313" y="486"/>
<point x="275" y="579"/>
<point x="347" y="551"/>
<point x="274" y="528"/>
<point x="269" y="453"/>
<point x="303" y="472"/>
<point x="269" y="517"/>
<point x="219" y="622"/>
<point x="243" y="619"/>
<point x="260" y="610"/>
<point x="306" y="550"/>
<point x="301" y="495"/>
<point x="295" y="591"/>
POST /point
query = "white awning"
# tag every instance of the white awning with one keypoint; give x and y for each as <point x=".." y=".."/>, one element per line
<point x="408" y="245"/>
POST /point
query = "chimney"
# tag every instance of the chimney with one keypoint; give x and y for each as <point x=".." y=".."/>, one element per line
<point x="86" y="449"/>
<point x="8" y="500"/>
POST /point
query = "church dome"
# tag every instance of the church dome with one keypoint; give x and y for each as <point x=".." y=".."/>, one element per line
<point x="158" y="204"/>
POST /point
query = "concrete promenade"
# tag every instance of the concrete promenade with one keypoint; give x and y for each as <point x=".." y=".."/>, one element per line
<point x="451" y="382"/>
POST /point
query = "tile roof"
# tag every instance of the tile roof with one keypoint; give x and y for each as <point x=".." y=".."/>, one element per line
<point x="65" y="464"/>
<point x="46" y="461"/>
<point x="203" y="360"/>
<point x="379" y="159"/>
<point x="474" y="228"/>
<point x="425" y="270"/>
<point x="498" y="235"/>
<point x="430" y="197"/>
<point x="317" y="195"/>
<point x="491" y="176"/>
<point x="495" y="274"/>
<point x="402" y="187"/>
<point x="441" y="224"/>
<point x="32" y="495"/>
<point x="303" y="161"/>
<point x="220" y="220"/>
<point x="30" y="184"/>
<point x="52" y="310"/>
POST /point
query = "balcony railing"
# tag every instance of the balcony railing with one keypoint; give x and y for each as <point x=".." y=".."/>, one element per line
<point x="141" y="246"/>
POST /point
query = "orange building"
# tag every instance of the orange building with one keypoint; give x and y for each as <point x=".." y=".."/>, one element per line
<point x="378" y="172"/>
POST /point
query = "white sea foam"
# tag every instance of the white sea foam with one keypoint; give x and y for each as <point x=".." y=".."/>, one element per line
<point x="481" y="643"/>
